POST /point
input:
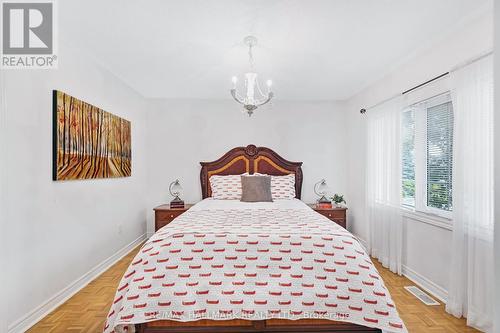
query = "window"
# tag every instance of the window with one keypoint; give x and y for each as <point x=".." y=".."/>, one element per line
<point x="408" y="157"/>
<point x="427" y="156"/>
<point x="439" y="155"/>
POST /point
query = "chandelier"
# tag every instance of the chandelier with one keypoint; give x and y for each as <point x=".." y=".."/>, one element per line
<point x="253" y="96"/>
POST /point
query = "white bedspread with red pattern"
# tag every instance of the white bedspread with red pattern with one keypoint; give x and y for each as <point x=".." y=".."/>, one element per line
<point x="224" y="261"/>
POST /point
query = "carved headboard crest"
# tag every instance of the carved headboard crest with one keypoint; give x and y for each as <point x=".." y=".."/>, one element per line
<point x="250" y="159"/>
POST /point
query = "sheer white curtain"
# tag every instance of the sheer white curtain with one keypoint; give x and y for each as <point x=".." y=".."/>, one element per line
<point x="383" y="184"/>
<point x="471" y="282"/>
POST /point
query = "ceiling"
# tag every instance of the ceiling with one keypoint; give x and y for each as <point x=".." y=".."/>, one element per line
<point x="312" y="50"/>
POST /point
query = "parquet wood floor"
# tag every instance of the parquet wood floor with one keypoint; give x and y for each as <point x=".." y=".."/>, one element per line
<point x="85" y="311"/>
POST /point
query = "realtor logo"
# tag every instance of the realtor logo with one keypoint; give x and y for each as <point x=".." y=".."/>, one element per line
<point x="28" y="35"/>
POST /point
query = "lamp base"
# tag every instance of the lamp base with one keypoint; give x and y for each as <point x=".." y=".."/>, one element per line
<point x="177" y="203"/>
<point x="323" y="199"/>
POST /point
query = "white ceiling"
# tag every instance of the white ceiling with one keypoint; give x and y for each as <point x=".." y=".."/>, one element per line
<point x="313" y="50"/>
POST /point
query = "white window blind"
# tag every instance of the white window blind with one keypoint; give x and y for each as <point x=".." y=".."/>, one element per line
<point x="439" y="156"/>
<point x="427" y="155"/>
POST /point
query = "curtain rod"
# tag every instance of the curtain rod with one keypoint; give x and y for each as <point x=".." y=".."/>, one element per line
<point x="426" y="82"/>
<point x="466" y="63"/>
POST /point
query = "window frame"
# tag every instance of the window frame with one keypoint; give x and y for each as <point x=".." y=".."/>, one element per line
<point x="420" y="146"/>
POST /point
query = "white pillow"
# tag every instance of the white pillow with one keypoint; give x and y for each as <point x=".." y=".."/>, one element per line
<point x="226" y="187"/>
<point x="283" y="187"/>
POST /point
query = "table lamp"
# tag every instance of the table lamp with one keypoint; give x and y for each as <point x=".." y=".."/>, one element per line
<point x="321" y="189"/>
<point x="175" y="190"/>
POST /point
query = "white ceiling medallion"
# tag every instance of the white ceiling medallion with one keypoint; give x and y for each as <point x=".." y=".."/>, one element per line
<point x="253" y="96"/>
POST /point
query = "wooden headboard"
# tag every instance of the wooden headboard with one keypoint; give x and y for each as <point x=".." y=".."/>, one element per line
<point x="250" y="159"/>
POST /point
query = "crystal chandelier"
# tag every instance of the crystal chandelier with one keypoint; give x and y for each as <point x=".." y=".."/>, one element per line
<point x="253" y="97"/>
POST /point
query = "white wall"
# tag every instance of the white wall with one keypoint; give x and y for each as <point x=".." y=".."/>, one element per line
<point x="496" y="323"/>
<point x="181" y="133"/>
<point x="58" y="231"/>
<point x="426" y="253"/>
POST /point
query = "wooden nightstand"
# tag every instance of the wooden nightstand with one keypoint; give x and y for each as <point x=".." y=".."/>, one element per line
<point x="164" y="214"/>
<point x="336" y="214"/>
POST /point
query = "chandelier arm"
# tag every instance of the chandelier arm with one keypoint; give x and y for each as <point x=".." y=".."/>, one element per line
<point x="240" y="97"/>
<point x="233" y="93"/>
<point x="259" y="89"/>
<point x="269" y="97"/>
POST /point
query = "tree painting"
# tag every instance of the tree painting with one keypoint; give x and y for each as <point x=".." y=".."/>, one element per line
<point x="88" y="142"/>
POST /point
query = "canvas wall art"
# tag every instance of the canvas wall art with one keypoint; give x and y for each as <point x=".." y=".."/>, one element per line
<point x="88" y="142"/>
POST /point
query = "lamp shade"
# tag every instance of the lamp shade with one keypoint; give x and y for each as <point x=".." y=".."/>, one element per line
<point x="175" y="188"/>
<point x="321" y="188"/>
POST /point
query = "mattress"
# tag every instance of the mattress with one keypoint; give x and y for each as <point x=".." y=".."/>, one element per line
<point x="226" y="259"/>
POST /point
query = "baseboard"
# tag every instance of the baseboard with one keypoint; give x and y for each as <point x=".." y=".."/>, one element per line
<point x="24" y="323"/>
<point x="423" y="282"/>
<point x="426" y="284"/>
<point x="362" y="241"/>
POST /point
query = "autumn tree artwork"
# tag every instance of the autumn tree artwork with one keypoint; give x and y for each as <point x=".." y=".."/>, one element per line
<point x="88" y="142"/>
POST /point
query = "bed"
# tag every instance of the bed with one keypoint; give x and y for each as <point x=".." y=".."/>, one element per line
<point x="230" y="266"/>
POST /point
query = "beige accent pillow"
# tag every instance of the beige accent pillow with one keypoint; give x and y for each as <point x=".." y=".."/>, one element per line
<point x="256" y="189"/>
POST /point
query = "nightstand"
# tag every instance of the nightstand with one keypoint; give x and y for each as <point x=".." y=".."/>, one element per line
<point x="164" y="214"/>
<point x="336" y="214"/>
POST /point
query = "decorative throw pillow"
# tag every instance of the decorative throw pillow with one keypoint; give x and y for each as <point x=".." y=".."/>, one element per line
<point x="226" y="187"/>
<point x="283" y="187"/>
<point x="256" y="189"/>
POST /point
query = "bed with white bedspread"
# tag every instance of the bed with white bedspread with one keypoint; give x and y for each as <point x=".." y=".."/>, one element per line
<point x="225" y="259"/>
